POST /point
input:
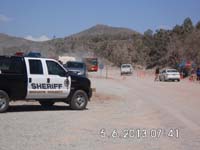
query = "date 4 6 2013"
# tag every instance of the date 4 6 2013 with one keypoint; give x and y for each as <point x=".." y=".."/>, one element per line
<point x="140" y="133"/>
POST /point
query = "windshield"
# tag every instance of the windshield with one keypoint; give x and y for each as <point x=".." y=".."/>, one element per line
<point x="126" y="66"/>
<point x="172" y="71"/>
<point x="75" y="65"/>
<point x="92" y="61"/>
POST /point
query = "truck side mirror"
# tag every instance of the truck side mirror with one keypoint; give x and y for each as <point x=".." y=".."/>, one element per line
<point x="67" y="73"/>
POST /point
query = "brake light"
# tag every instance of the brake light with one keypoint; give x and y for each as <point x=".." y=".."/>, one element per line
<point x="19" y="54"/>
<point x="94" y="68"/>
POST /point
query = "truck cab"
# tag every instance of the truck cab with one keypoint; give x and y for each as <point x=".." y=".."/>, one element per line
<point x="41" y="79"/>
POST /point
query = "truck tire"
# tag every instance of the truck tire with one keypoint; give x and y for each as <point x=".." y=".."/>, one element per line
<point x="4" y="101"/>
<point x="79" y="100"/>
<point x="46" y="103"/>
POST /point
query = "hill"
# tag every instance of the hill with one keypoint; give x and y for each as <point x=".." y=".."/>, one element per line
<point x="100" y="30"/>
<point x="120" y="45"/>
<point x="112" y="43"/>
<point x="9" y="45"/>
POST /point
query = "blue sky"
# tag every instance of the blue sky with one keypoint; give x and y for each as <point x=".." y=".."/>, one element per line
<point x="64" y="17"/>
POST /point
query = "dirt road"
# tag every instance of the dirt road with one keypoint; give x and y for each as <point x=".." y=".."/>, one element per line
<point x="129" y="112"/>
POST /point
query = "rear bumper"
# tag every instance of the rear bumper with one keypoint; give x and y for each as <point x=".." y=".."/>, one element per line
<point x="126" y="72"/>
<point x="173" y="78"/>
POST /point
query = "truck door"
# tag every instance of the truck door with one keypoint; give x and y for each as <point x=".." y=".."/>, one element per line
<point x="46" y="79"/>
<point x="36" y="78"/>
<point x="56" y="77"/>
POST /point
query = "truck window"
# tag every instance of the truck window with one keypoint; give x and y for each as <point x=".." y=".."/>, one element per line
<point x="12" y="65"/>
<point x="55" y="69"/>
<point x="35" y="67"/>
<point x="17" y="66"/>
<point x="5" y="64"/>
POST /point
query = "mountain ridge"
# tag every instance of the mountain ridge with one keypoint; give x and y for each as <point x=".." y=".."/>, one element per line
<point x="119" y="45"/>
<point x="101" y="29"/>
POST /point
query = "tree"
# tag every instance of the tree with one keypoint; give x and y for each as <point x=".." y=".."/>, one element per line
<point x="148" y="32"/>
<point x="159" y="50"/>
<point x="198" y="25"/>
<point x="188" y="25"/>
<point x="178" y="29"/>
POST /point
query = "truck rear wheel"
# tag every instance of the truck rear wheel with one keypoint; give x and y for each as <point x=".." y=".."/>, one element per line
<point x="4" y="101"/>
<point x="46" y="103"/>
<point x="79" y="100"/>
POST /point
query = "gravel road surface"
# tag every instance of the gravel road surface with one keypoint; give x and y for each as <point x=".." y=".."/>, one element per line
<point x="130" y="112"/>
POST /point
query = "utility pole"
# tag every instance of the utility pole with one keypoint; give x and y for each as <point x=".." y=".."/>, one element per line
<point x="106" y="71"/>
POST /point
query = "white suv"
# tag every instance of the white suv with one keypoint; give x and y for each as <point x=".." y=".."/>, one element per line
<point x="169" y="74"/>
<point x="126" y="69"/>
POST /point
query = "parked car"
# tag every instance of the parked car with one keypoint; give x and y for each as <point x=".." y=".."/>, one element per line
<point x="76" y="67"/>
<point x="169" y="75"/>
<point x="126" y="69"/>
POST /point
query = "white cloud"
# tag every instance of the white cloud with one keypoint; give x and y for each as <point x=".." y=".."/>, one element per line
<point x="4" y="18"/>
<point x="38" y="39"/>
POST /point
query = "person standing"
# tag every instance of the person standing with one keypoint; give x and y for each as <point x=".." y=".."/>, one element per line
<point x="198" y="74"/>
<point x="157" y="74"/>
<point x="192" y="77"/>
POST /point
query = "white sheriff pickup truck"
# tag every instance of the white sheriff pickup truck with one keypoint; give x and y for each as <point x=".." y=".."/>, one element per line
<point x="41" y="79"/>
